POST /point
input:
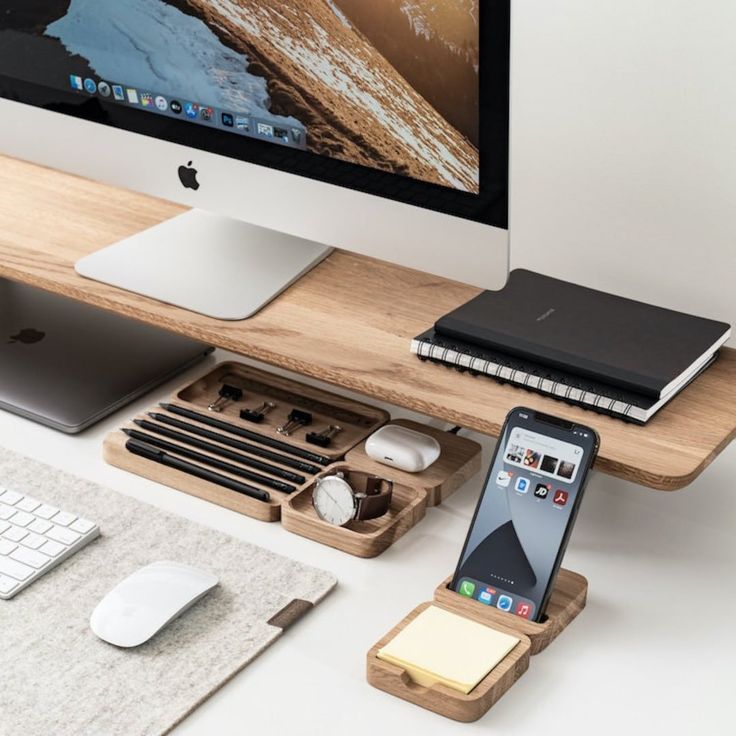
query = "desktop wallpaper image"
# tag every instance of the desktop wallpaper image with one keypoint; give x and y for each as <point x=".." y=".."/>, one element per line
<point x="388" y="84"/>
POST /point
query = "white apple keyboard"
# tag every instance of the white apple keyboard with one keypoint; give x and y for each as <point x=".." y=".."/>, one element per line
<point x="34" y="538"/>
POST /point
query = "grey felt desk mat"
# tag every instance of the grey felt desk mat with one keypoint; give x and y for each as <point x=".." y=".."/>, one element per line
<point x="58" y="679"/>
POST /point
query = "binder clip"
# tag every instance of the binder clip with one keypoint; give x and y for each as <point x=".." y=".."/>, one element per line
<point x="257" y="415"/>
<point x="227" y="395"/>
<point x="297" y="418"/>
<point x="324" y="438"/>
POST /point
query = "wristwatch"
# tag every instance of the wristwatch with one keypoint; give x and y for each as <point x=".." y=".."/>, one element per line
<point x="352" y="495"/>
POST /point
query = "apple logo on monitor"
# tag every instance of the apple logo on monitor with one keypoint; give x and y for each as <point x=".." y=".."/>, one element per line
<point x="188" y="177"/>
<point x="27" y="336"/>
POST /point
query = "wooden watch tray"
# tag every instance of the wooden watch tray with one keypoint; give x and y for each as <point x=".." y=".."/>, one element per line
<point x="567" y="600"/>
<point x="360" y="538"/>
<point x="412" y="492"/>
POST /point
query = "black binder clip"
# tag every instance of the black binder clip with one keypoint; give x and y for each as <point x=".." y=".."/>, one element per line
<point x="257" y="415"/>
<point x="297" y="418"/>
<point x="324" y="438"/>
<point x="227" y="395"/>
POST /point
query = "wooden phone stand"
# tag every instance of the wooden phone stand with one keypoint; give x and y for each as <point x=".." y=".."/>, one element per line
<point x="567" y="600"/>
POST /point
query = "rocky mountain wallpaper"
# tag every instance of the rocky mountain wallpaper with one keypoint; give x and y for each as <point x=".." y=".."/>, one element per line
<point x="389" y="84"/>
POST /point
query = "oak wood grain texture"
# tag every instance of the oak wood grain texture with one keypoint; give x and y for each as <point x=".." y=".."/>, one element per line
<point x="361" y="538"/>
<point x="197" y="395"/>
<point x="348" y="323"/>
<point x="367" y="538"/>
<point x="459" y="461"/>
<point x="439" y="698"/>
<point x="114" y="453"/>
<point x="567" y="600"/>
<point x="357" y="420"/>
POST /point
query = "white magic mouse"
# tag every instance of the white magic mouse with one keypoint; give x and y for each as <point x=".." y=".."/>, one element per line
<point x="402" y="448"/>
<point x="140" y="606"/>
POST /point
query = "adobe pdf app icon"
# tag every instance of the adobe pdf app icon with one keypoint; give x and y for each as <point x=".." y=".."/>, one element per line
<point x="560" y="497"/>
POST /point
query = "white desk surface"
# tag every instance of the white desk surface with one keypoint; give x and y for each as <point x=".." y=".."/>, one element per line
<point x="654" y="651"/>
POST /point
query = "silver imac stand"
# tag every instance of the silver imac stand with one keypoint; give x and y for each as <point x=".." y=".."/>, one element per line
<point x="206" y="263"/>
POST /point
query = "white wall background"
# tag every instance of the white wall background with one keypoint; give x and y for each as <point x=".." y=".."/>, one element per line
<point x="623" y="166"/>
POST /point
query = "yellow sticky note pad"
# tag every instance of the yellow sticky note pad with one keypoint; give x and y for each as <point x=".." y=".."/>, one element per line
<point x="439" y="646"/>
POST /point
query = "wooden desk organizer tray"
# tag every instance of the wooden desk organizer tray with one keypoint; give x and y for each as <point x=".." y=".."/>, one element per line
<point x="412" y="493"/>
<point x="567" y="600"/>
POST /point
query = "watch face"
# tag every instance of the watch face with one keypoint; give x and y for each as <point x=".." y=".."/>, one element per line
<point x="334" y="501"/>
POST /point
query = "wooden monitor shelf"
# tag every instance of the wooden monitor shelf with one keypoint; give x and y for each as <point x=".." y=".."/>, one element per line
<point x="348" y="323"/>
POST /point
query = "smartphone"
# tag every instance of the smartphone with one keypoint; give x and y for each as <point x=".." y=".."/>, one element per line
<point x="525" y="513"/>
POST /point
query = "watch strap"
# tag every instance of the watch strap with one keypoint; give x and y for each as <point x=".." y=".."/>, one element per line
<point x="376" y="500"/>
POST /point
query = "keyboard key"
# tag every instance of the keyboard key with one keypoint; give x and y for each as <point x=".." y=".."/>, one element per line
<point x="29" y="557"/>
<point x="82" y="526"/>
<point x="11" y="497"/>
<point x="46" y="512"/>
<point x="34" y="536"/>
<point x="14" y="569"/>
<point x="7" y="584"/>
<point x="60" y="534"/>
<point x="6" y="546"/>
<point x="28" y="504"/>
<point x="34" y="541"/>
<point x="63" y="518"/>
<point x="40" y="526"/>
<point x="15" y="533"/>
<point x="52" y="549"/>
<point x="21" y="518"/>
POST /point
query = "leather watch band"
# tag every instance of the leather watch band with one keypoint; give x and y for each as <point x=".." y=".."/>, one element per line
<point x="377" y="499"/>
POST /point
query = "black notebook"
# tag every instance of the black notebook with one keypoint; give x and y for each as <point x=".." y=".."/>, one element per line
<point x="584" y="346"/>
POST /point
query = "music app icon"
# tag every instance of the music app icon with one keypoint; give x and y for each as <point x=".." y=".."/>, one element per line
<point x="524" y="610"/>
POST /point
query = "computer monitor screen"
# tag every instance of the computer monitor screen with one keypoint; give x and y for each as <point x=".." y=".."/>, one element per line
<point x="399" y="98"/>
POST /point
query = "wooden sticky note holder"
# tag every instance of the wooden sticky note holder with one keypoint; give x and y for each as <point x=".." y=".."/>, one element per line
<point x="567" y="600"/>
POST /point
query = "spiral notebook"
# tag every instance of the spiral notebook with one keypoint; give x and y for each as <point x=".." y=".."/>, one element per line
<point x="596" y="350"/>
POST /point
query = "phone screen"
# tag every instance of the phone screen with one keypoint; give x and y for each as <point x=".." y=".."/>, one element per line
<point x="525" y="513"/>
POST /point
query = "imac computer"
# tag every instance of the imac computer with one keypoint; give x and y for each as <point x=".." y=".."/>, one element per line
<point x="289" y="127"/>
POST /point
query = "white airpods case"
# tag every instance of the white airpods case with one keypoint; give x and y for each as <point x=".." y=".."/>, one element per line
<point x="402" y="448"/>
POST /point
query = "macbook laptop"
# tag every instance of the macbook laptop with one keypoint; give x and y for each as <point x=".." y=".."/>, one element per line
<point x="67" y="364"/>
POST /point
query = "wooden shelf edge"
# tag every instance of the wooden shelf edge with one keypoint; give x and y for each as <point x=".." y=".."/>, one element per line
<point x="112" y="299"/>
<point x="348" y="323"/>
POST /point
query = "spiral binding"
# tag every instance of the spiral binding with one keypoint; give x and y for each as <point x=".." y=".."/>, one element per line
<point x="451" y="355"/>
